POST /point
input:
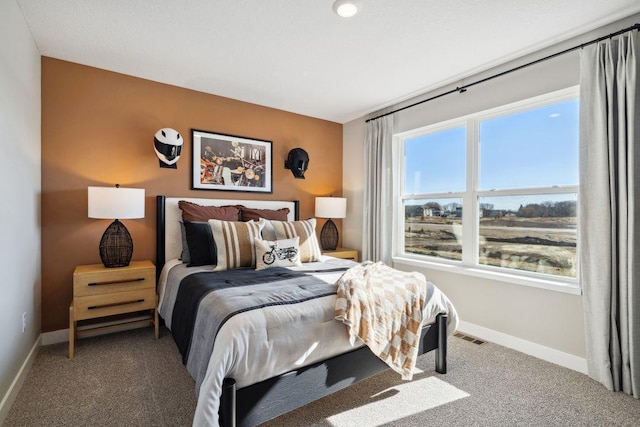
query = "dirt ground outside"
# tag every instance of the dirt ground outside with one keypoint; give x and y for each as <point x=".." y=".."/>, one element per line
<point x="543" y="245"/>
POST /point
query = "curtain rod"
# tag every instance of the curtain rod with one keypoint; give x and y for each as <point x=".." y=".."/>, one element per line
<point x="462" y="89"/>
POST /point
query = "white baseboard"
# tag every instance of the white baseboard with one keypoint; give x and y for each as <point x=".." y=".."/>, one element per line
<point x="541" y="352"/>
<point x="16" y="385"/>
<point x="55" y="337"/>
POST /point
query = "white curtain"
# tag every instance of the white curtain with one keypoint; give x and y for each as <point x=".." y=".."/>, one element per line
<point x="377" y="210"/>
<point x="609" y="220"/>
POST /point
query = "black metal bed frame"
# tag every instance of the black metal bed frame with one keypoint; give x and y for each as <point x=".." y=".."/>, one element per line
<point x="275" y="396"/>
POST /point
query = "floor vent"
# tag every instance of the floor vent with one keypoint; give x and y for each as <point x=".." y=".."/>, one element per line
<point x="468" y="338"/>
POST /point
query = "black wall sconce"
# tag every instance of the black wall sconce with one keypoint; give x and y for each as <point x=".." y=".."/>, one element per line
<point x="298" y="162"/>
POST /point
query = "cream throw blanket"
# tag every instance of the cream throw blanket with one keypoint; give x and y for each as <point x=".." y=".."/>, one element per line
<point x="383" y="307"/>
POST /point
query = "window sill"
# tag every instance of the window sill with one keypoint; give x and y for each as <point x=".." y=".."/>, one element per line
<point x="553" y="285"/>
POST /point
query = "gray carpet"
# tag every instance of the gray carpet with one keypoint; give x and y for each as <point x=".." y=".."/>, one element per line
<point x="130" y="379"/>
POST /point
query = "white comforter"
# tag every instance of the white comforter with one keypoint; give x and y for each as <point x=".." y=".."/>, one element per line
<point x="259" y="344"/>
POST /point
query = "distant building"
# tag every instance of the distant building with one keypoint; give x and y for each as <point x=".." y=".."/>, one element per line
<point x="429" y="212"/>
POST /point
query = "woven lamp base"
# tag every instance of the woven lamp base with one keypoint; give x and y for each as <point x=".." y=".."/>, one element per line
<point x="329" y="236"/>
<point x="116" y="246"/>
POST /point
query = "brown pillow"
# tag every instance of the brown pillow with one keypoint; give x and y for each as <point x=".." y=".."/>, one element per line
<point x="194" y="212"/>
<point x="248" y="214"/>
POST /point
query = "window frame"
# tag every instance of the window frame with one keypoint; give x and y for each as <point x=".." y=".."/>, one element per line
<point x="470" y="199"/>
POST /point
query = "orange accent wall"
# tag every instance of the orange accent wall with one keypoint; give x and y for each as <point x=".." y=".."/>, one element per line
<point x="98" y="129"/>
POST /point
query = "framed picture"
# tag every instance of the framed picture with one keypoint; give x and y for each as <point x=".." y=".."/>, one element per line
<point x="230" y="163"/>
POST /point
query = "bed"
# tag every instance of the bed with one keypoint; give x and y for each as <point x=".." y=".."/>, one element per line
<point x="294" y="356"/>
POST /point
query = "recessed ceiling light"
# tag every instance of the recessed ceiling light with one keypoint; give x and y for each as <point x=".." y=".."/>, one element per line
<point x="346" y="8"/>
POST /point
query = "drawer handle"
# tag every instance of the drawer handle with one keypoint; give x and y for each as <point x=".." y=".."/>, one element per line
<point x="114" y="282"/>
<point x="93" y="307"/>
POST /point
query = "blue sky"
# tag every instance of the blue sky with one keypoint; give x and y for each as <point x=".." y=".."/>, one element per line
<point x="537" y="148"/>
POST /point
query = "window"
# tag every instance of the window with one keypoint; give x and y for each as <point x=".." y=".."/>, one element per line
<point x="494" y="190"/>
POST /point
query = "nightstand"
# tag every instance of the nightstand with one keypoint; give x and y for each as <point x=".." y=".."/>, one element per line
<point x="99" y="291"/>
<point x="343" y="253"/>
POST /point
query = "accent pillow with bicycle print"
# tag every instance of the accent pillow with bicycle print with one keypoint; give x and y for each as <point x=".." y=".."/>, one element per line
<point x="277" y="253"/>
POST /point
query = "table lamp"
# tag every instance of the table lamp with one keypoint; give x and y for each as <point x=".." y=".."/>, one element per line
<point x="330" y="207"/>
<point x="116" y="245"/>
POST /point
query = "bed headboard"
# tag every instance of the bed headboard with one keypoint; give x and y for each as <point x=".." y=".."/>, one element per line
<point x="168" y="217"/>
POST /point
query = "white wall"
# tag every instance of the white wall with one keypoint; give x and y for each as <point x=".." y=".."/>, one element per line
<point x="20" y="190"/>
<point x="548" y="318"/>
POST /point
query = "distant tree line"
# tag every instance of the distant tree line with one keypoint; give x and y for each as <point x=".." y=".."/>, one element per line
<point x="566" y="208"/>
<point x="548" y="209"/>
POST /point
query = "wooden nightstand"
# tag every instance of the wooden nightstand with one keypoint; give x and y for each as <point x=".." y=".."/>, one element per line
<point x="343" y="253"/>
<point x="99" y="291"/>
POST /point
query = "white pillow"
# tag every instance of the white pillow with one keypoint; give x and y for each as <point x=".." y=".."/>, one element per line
<point x="306" y="230"/>
<point x="268" y="233"/>
<point x="278" y="253"/>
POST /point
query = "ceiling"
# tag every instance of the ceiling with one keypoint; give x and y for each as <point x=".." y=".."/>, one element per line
<point x="297" y="55"/>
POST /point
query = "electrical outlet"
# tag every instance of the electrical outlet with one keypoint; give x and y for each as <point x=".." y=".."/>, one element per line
<point x="24" y="322"/>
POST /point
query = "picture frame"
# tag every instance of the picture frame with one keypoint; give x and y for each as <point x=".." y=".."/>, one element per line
<point x="224" y="162"/>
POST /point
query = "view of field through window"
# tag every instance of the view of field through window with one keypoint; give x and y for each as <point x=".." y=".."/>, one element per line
<point x="539" y="236"/>
<point x="434" y="228"/>
<point x="535" y="151"/>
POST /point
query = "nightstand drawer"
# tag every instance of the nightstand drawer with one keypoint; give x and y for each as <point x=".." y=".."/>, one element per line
<point x="97" y="280"/>
<point x="89" y="307"/>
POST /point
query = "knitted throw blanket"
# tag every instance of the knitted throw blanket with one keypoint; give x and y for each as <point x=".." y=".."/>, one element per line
<point x="383" y="307"/>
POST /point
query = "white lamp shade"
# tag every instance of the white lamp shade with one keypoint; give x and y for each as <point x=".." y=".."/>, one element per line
<point x="116" y="203"/>
<point x="331" y="207"/>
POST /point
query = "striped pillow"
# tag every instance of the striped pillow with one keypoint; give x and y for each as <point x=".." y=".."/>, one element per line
<point x="306" y="230"/>
<point x="235" y="243"/>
